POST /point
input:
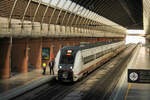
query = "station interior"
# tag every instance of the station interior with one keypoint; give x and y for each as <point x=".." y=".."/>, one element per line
<point x="35" y="32"/>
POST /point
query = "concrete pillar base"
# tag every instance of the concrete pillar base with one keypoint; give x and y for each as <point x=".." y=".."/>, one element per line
<point x="20" y="50"/>
<point x="35" y="52"/>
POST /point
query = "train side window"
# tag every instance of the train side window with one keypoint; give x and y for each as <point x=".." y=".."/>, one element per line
<point x="88" y="59"/>
<point x="99" y="54"/>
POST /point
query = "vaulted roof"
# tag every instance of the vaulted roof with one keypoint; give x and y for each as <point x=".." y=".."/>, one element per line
<point x="128" y="13"/>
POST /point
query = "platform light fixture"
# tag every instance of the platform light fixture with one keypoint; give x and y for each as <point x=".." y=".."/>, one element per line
<point x="135" y="32"/>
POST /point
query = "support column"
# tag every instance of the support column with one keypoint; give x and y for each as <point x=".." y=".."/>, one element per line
<point x="147" y="41"/>
<point x="52" y="55"/>
<point x="60" y="46"/>
<point x="73" y="43"/>
<point x="20" y="51"/>
<point x="5" y="52"/>
<point x="68" y="43"/>
<point x="35" y="52"/>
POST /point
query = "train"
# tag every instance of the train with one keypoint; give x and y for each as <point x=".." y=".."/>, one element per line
<point x="74" y="62"/>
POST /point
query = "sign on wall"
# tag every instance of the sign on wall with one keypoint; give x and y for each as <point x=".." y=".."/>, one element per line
<point x="45" y="53"/>
<point x="138" y="76"/>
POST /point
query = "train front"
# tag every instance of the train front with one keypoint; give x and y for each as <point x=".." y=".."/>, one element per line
<point x="66" y="65"/>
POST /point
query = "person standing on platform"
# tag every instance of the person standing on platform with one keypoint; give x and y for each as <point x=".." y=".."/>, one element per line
<point x="51" y="66"/>
<point x="44" y="68"/>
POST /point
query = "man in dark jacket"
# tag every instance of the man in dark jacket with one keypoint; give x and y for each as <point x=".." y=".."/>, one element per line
<point x="51" y="66"/>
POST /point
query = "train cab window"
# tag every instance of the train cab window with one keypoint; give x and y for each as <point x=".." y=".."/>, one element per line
<point x="65" y="59"/>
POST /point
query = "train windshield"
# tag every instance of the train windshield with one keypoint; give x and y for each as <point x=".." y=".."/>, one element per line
<point x="67" y="59"/>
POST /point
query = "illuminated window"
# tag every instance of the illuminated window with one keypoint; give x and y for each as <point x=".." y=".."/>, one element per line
<point x="46" y="1"/>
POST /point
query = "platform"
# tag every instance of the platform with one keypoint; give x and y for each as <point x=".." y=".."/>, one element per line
<point x="21" y="83"/>
<point x="140" y="91"/>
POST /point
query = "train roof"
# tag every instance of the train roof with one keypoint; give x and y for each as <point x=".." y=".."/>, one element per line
<point x="88" y="45"/>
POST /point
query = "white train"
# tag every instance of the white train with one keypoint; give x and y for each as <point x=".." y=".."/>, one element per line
<point x="73" y="62"/>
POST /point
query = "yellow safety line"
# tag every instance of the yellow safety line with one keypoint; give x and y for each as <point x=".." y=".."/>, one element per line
<point x="129" y="87"/>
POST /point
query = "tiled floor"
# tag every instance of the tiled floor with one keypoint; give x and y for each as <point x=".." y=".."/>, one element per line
<point x="21" y="79"/>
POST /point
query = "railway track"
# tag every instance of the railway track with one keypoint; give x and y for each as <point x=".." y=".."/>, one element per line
<point x="97" y="85"/>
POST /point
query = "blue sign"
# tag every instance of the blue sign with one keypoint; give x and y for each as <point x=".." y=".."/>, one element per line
<point x="45" y="53"/>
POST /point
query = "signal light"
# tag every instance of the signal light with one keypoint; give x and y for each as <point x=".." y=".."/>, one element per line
<point x="68" y="54"/>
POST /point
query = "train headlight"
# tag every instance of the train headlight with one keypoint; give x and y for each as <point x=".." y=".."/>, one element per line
<point x="71" y="67"/>
<point x="60" y="67"/>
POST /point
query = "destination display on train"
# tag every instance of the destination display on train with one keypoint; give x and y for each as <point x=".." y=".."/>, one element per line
<point x="138" y="76"/>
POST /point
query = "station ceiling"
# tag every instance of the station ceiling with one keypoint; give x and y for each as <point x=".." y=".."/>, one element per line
<point x="128" y="13"/>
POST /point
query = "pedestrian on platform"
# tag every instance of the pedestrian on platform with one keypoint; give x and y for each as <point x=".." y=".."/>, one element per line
<point x="51" y="66"/>
<point x="44" y="68"/>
